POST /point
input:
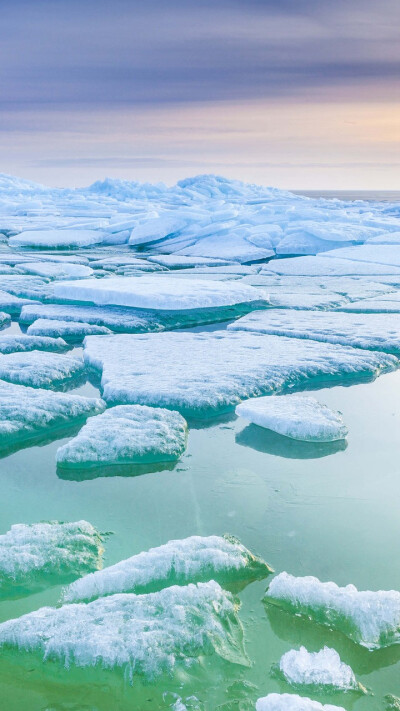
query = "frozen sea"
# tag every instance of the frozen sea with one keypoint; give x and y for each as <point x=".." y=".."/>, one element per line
<point x="311" y="508"/>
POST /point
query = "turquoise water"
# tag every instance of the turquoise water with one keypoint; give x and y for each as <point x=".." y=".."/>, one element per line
<point x="322" y="510"/>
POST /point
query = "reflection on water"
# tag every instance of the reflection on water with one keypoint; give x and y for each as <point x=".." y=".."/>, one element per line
<point x="93" y="471"/>
<point x="270" y="442"/>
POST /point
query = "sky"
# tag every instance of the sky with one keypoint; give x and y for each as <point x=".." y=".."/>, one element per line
<point x="301" y="94"/>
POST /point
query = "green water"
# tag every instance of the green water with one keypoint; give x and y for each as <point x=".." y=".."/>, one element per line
<point x="307" y="509"/>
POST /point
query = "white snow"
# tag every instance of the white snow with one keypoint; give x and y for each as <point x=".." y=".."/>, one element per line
<point x="211" y="371"/>
<point x="371" y="331"/>
<point x="294" y="416"/>
<point x="189" y="560"/>
<point x="10" y="343"/>
<point x="65" y="329"/>
<point x="48" y="549"/>
<point x="146" y="635"/>
<point x="39" y="369"/>
<point x="25" y="411"/>
<point x="292" y="702"/>
<point x="320" y="669"/>
<point x="56" y="239"/>
<point x="127" y="434"/>
<point x="372" y="619"/>
<point x="151" y="292"/>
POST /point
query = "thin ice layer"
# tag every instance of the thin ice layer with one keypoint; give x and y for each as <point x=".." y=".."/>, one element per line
<point x="146" y="635"/>
<point x="208" y="372"/>
<point x="323" y="669"/>
<point x="127" y="434"/>
<point x="71" y="330"/>
<point x="380" y="332"/>
<point x="322" y="266"/>
<point x="292" y="702"/>
<point x="40" y="369"/>
<point x="10" y="343"/>
<point x="113" y="317"/>
<point x="369" y="618"/>
<point x="295" y="416"/>
<point x="56" y="270"/>
<point x="152" y="292"/>
<point x="27" y="411"/>
<point x="190" y="560"/>
<point x="39" y="550"/>
<point x="56" y="239"/>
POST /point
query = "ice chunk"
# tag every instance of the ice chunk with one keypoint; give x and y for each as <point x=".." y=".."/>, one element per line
<point x="26" y="411"/>
<point x="12" y="304"/>
<point x="4" y="319"/>
<point x="152" y="292"/>
<point x="379" y="332"/>
<point x="386" y="254"/>
<point x="322" y="266"/>
<point x="208" y="372"/>
<point x="21" y="343"/>
<point x="56" y="239"/>
<point x="23" y="285"/>
<point x="32" y="554"/>
<point x="71" y="330"/>
<point x="372" y="619"/>
<point x="55" y="270"/>
<point x="40" y="369"/>
<point x="179" y="261"/>
<point x="294" y="416"/>
<point x="146" y="635"/>
<point x="157" y="228"/>
<point x="292" y="702"/>
<point x="388" y="303"/>
<point x="193" y="559"/>
<point x="323" y="669"/>
<point x="127" y="434"/>
<point x="232" y="246"/>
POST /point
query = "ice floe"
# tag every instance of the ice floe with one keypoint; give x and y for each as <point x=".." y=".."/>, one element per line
<point x="150" y="292"/>
<point x="55" y="270"/>
<point x="70" y="330"/>
<point x="372" y="619"/>
<point x="323" y="669"/>
<point x="145" y="635"/>
<point x="190" y="560"/>
<point x="334" y="266"/>
<point x="56" y="239"/>
<point x="379" y="332"/>
<point x="127" y="434"/>
<point x="40" y="369"/>
<point x="294" y="416"/>
<point x="209" y="372"/>
<point x="10" y="343"/>
<point x="33" y="553"/>
<point x="292" y="702"/>
<point x="4" y="319"/>
<point x="26" y="411"/>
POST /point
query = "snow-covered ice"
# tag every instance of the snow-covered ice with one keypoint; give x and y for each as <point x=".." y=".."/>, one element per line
<point x="386" y="254"/>
<point x="12" y="304"/>
<point x="26" y="411"/>
<point x="334" y="266"/>
<point x="145" y="635"/>
<point x="56" y="270"/>
<point x="56" y="239"/>
<point x="292" y="702"/>
<point x="379" y="331"/>
<point x="323" y="669"/>
<point x="40" y="369"/>
<point x="71" y="330"/>
<point x="48" y="549"/>
<point x="210" y="372"/>
<point x="127" y="434"/>
<point x="10" y="343"/>
<point x="372" y="619"/>
<point x="151" y="292"/>
<point x="190" y="560"/>
<point x="294" y="416"/>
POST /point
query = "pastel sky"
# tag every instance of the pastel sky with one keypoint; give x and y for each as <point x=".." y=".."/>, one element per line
<point x="294" y="93"/>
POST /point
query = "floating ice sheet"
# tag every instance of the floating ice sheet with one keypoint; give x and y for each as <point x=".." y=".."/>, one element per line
<point x="40" y="369"/>
<point x="372" y="619"/>
<point x="190" y="560"/>
<point x="71" y="330"/>
<point x="56" y="239"/>
<point x="146" y="635"/>
<point x="127" y="434"/>
<point x="31" y="554"/>
<point x="151" y="292"/>
<point x="292" y="702"/>
<point x="12" y="304"/>
<point x="294" y="416"/>
<point x="323" y="669"/>
<point x="379" y="332"/>
<point x="209" y="372"/>
<point x="10" y="343"/>
<point x="56" y="270"/>
<point x="26" y="411"/>
<point x="371" y="253"/>
<point x="322" y="266"/>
